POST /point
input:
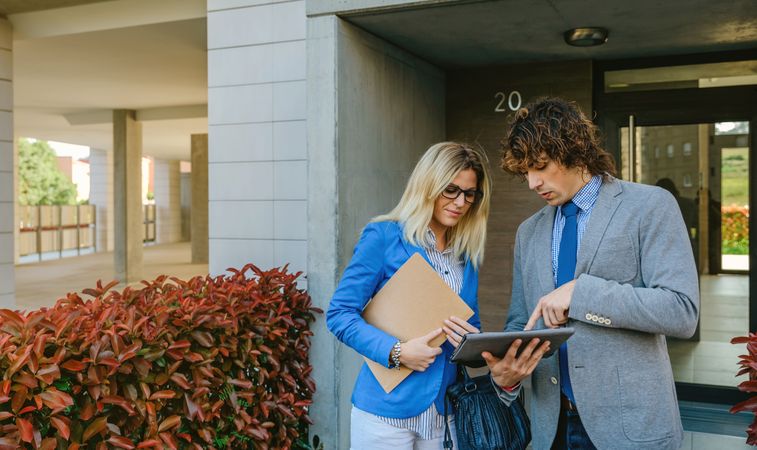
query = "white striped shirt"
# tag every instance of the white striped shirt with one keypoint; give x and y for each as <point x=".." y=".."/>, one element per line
<point x="451" y="270"/>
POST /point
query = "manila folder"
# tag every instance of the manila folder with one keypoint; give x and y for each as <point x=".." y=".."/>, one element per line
<point x="414" y="302"/>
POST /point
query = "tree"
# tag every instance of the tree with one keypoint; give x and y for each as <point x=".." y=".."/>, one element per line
<point x="41" y="182"/>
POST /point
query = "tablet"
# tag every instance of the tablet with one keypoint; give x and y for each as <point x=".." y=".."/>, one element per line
<point x="470" y="348"/>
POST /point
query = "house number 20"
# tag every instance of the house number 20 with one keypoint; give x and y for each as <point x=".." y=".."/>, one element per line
<point x="513" y="101"/>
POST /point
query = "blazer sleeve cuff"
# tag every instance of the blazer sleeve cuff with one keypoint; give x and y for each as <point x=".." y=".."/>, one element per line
<point x="383" y="350"/>
<point x="584" y="305"/>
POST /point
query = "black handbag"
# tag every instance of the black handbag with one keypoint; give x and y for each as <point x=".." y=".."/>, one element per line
<point x="482" y="420"/>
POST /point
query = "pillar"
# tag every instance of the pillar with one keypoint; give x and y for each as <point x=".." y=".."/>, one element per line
<point x="101" y="195"/>
<point x="199" y="220"/>
<point x="185" y="187"/>
<point x="127" y="177"/>
<point x="167" y="190"/>
<point x="358" y="167"/>
<point x="8" y="226"/>
<point x="257" y="129"/>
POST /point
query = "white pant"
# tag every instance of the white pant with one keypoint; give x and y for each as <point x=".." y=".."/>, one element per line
<point x="368" y="432"/>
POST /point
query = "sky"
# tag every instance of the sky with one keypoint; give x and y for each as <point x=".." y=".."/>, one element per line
<point x="73" y="150"/>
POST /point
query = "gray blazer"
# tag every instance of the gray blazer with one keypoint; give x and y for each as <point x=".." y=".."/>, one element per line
<point x="636" y="283"/>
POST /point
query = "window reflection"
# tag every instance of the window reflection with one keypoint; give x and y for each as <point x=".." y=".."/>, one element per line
<point x="699" y="76"/>
<point x="710" y="181"/>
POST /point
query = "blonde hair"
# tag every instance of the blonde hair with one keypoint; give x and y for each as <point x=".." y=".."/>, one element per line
<point x="434" y="172"/>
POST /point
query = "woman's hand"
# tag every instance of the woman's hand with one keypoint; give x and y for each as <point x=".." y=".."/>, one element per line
<point x="455" y="328"/>
<point x="416" y="353"/>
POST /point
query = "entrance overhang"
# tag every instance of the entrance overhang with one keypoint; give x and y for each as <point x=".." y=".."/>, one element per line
<point x="459" y="33"/>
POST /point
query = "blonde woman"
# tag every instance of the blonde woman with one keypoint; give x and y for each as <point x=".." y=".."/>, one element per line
<point x="442" y="215"/>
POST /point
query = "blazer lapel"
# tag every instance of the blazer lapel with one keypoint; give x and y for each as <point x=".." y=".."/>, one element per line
<point x="470" y="281"/>
<point x="607" y="202"/>
<point x="410" y="249"/>
<point x="542" y="248"/>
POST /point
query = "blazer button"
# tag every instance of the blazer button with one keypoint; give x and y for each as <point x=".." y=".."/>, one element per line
<point x="553" y="380"/>
<point x="588" y="316"/>
<point x="607" y="322"/>
<point x="602" y="320"/>
<point x="594" y="317"/>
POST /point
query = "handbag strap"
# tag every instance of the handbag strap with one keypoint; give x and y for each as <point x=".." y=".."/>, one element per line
<point x="448" y="445"/>
<point x="447" y="434"/>
<point x="464" y="371"/>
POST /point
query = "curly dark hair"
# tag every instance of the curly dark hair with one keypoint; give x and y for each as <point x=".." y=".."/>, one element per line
<point x="554" y="129"/>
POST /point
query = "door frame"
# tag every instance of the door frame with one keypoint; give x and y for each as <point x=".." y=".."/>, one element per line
<point x="678" y="107"/>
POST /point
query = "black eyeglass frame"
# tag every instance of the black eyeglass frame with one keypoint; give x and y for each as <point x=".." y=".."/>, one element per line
<point x="474" y="193"/>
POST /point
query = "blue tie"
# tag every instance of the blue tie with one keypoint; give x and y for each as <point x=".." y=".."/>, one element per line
<point x="566" y="271"/>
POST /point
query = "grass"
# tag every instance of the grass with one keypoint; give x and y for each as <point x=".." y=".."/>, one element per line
<point x="735" y="176"/>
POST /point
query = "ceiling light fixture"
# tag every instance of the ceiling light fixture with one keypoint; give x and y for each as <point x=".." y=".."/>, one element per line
<point x="585" y="36"/>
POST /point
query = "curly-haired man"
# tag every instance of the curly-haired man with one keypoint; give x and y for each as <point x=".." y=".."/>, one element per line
<point x="611" y="259"/>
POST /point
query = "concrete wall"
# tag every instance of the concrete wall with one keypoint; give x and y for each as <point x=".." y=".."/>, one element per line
<point x="471" y="102"/>
<point x="101" y="195"/>
<point x="256" y="126"/>
<point x="7" y="169"/>
<point x="167" y="201"/>
<point x="373" y="109"/>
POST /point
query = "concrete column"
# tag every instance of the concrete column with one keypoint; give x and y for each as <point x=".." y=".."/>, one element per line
<point x="167" y="190"/>
<point x="127" y="177"/>
<point x="358" y="168"/>
<point x="257" y="133"/>
<point x="185" y="187"/>
<point x="101" y="195"/>
<point x="199" y="220"/>
<point x="322" y="208"/>
<point x="8" y="225"/>
<point x="16" y="208"/>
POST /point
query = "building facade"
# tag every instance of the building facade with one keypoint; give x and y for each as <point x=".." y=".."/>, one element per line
<point x="317" y="110"/>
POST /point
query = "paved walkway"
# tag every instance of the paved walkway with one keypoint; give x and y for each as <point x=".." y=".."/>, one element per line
<point x="41" y="284"/>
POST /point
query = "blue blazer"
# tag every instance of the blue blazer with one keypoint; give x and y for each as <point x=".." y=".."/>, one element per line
<point x="379" y="253"/>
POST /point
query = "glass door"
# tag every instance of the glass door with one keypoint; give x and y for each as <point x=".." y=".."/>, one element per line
<point x="706" y="168"/>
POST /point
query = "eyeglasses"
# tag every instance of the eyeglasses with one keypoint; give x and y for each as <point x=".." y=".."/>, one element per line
<point x="470" y="196"/>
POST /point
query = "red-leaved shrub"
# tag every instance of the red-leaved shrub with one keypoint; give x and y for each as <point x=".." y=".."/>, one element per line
<point x="207" y="363"/>
<point x="748" y="365"/>
<point x="735" y="230"/>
